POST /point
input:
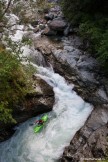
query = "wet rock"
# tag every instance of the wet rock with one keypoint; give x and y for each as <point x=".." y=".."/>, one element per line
<point x="68" y="56"/>
<point x="87" y="77"/>
<point x="102" y="96"/>
<point x="49" y="32"/>
<point x="41" y="26"/>
<point x="37" y="58"/>
<point x="106" y="86"/>
<point x="67" y="30"/>
<point x="36" y="29"/>
<point x="58" y="25"/>
<point x="45" y="45"/>
<point x="44" y="49"/>
<point x="56" y="8"/>
<point x="39" y="101"/>
<point x="75" y="41"/>
<point x="69" y="48"/>
<point x="105" y="83"/>
<point x="87" y="63"/>
<point x="91" y="140"/>
<point x="49" y="17"/>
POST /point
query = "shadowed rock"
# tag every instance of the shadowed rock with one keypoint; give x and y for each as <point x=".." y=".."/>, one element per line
<point x="58" y="25"/>
<point x="39" y="101"/>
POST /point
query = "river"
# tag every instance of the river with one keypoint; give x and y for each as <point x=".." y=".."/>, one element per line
<point x="69" y="114"/>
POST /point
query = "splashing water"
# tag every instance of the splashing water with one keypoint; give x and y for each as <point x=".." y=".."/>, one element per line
<point x="69" y="115"/>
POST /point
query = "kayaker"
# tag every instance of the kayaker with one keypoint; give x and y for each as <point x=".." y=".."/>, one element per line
<point x="39" y="122"/>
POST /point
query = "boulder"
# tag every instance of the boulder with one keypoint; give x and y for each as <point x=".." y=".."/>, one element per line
<point x="49" y="32"/>
<point x="40" y="100"/>
<point x="49" y="17"/>
<point x="38" y="58"/>
<point x="41" y="26"/>
<point x="101" y="95"/>
<point x="58" y="25"/>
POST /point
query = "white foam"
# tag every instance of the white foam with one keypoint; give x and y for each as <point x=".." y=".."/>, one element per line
<point x="69" y="114"/>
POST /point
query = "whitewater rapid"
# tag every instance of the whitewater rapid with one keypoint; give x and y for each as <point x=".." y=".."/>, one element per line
<point x="69" y="114"/>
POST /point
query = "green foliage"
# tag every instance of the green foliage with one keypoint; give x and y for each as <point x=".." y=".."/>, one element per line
<point x="14" y="84"/>
<point x="15" y="78"/>
<point x="92" y="19"/>
<point x="26" y="40"/>
<point x="5" y="114"/>
<point x="103" y="49"/>
<point x="92" y="33"/>
<point x="44" y="4"/>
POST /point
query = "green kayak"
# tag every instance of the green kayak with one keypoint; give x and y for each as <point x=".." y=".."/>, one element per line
<point x="37" y="128"/>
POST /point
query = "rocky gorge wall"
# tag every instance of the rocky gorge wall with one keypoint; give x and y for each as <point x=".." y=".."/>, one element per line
<point x="68" y="57"/>
<point x="39" y="101"/>
<point x="59" y="46"/>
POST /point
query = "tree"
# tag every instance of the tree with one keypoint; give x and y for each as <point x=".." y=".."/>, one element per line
<point x="92" y="19"/>
<point x="15" y="80"/>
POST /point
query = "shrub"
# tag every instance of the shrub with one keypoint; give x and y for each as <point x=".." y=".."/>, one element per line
<point x="92" y="19"/>
<point x="14" y="84"/>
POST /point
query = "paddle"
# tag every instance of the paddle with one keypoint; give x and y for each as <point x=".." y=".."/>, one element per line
<point x="32" y="124"/>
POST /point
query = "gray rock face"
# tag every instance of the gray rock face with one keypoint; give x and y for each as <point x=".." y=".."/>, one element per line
<point x="67" y="56"/>
<point x="101" y="94"/>
<point x="87" y="77"/>
<point x="69" y="48"/>
<point x="49" y="32"/>
<point x="91" y="140"/>
<point x="38" y="58"/>
<point x="42" y="99"/>
<point x="88" y="63"/>
<point x="67" y="31"/>
<point x="74" y="41"/>
<point x="58" y="25"/>
<point x="80" y="68"/>
<point x="39" y="101"/>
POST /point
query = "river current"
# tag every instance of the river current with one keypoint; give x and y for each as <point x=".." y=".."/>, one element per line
<point x="68" y="116"/>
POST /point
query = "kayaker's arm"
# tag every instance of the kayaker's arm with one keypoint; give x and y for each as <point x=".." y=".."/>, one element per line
<point x="37" y="121"/>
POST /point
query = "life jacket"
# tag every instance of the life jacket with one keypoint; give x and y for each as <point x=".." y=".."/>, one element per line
<point x="40" y="121"/>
